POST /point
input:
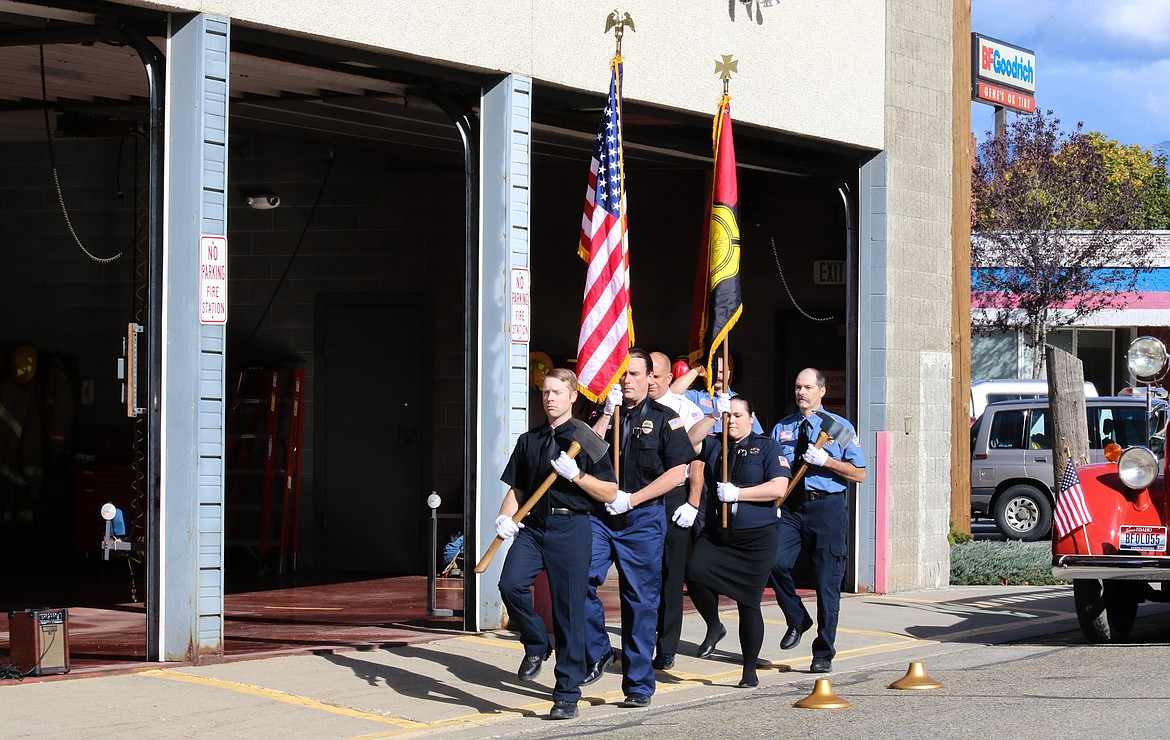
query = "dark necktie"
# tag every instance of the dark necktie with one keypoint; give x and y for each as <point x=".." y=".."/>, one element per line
<point x="801" y="441"/>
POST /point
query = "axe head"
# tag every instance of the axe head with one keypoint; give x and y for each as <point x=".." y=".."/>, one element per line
<point x="592" y="445"/>
<point x="840" y="433"/>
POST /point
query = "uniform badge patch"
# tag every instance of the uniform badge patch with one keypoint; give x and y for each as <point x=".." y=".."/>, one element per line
<point x="675" y="423"/>
<point x="754" y="451"/>
<point x="648" y="426"/>
<point x="783" y="461"/>
<point x="785" y="435"/>
<point x="705" y="402"/>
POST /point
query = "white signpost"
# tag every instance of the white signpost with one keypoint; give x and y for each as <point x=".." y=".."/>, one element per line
<point x="521" y="305"/>
<point x="213" y="280"/>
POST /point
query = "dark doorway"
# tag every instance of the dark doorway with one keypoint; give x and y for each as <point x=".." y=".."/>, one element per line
<point x="372" y="358"/>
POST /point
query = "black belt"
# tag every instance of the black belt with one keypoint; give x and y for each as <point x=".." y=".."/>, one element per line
<point x="562" y="512"/>
<point x="656" y="501"/>
<point x="818" y="495"/>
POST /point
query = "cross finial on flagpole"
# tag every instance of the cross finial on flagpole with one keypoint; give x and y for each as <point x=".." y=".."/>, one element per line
<point x="725" y="69"/>
<point x="618" y="21"/>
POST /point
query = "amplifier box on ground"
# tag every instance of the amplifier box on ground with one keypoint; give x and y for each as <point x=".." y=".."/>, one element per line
<point x="39" y="640"/>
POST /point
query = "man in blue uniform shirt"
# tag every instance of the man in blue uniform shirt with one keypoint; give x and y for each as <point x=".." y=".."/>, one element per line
<point x="555" y="537"/>
<point x="814" y="516"/>
<point x="701" y="398"/>
<point x="631" y="531"/>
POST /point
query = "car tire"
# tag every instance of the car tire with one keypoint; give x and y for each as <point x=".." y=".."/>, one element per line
<point x="1106" y="609"/>
<point x="1023" y="512"/>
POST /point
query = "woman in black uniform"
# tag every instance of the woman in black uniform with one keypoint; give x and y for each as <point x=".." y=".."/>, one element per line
<point x="736" y="561"/>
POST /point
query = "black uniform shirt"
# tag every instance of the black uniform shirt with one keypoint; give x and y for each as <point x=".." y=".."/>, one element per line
<point x="653" y="441"/>
<point x="531" y="462"/>
<point x="754" y="460"/>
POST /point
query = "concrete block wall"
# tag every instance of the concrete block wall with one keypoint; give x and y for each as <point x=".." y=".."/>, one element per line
<point x="918" y="287"/>
<point x="380" y="226"/>
<point x="56" y="297"/>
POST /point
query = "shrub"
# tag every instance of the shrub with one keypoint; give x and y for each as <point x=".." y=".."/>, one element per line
<point x="955" y="537"/>
<point x="1010" y="563"/>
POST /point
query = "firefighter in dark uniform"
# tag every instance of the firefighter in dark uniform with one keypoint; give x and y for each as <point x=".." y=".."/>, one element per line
<point x="555" y="537"/>
<point x="736" y="561"/>
<point x="630" y="531"/>
<point x="814" y="517"/>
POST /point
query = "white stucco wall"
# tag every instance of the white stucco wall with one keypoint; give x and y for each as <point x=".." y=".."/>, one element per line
<point x="811" y="69"/>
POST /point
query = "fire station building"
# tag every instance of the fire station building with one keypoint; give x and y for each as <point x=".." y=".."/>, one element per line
<point x="308" y="223"/>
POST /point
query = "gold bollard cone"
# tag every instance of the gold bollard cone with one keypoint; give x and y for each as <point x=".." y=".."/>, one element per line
<point x="916" y="678"/>
<point x="822" y="697"/>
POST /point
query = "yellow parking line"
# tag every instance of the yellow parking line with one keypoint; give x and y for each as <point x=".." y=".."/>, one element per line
<point x="506" y="644"/>
<point x="300" y="701"/>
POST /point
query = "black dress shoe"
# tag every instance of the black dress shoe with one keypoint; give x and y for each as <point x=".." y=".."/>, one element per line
<point x="709" y="643"/>
<point x="530" y="667"/>
<point x="749" y="683"/>
<point x="597" y="669"/>
<point x="563" y="710"/>
<point x="664" y="662"/>
<point x="792" y="637"/>
<point x="821" y="665"/>
<point x="636" y="701"/>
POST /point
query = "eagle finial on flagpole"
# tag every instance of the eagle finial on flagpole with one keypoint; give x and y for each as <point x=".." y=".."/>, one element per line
<point x="618" y="21"/>
<point x="725" y="69"/>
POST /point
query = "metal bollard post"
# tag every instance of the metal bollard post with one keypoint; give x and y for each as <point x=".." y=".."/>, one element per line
<point x="433" y="501"/>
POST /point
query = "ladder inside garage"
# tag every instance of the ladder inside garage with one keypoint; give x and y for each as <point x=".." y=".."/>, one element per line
<point x="264" y="428"/>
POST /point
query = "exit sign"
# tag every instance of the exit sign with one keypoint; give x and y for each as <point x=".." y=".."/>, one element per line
<point x="829" y="272"/>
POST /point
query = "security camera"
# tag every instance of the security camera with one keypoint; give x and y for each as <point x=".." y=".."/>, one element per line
<point x="263" y="201"/>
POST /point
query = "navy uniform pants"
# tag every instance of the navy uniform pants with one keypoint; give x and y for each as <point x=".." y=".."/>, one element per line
<point x="674" y="570"/>
<point x="637" y="551"/>
<point x="820" y="528"/>
<point x="561" y="548"/>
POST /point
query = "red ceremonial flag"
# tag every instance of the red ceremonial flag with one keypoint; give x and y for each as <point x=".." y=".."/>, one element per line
<point x="1072" y="513"/>
<point x="718" y="299"/>
<point x="607" y="326"/>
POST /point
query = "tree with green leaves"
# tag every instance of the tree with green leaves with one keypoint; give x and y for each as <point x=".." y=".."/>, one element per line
<point x="1056" y="225"/>
<point x="1144" y="169"/>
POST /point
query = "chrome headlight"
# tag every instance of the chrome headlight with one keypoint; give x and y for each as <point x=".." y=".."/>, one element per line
<point x="1138" y="468"/>
<point x="1146" y="357"/>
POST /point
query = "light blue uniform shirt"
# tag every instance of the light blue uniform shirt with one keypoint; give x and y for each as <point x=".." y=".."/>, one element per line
<point x="702" y="399"/>
<point x="816" y="478"/>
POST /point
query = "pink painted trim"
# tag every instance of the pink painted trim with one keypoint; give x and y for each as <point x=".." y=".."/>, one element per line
<point x="881" y="529"/>
<point x="1123" y="301"/>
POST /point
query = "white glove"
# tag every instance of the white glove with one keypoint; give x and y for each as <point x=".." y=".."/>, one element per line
<point x="720" y="405"/>
<point x="506" y="528"/>
<point x="620" y="505"/>
<point x="613" y="400"/>
<point x="813" y="456"/>
<point x="566" y="466"/>
<point x="684" y="516"/>
<point x="728" y="493"/>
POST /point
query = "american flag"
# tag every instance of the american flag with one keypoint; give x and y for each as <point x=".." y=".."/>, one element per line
<point x="1071" y="511"/>
<point x="607" y="327"/>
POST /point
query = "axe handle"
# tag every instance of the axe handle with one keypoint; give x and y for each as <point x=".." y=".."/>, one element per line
<point x="822" y="438"/>
<point x="522" y="512"/>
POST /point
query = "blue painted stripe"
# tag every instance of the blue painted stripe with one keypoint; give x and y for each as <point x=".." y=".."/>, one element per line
<point x="1154" y="281"/>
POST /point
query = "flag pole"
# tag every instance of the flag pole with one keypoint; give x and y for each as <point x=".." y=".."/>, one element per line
<point x="726" y="368"/>
<point x="617" y="21"/>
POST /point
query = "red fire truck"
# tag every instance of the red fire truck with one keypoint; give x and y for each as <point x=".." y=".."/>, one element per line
<point x="1111" y="542"/>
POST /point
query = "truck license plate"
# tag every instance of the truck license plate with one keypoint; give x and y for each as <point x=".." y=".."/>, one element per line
<point x="1146" y="539"/>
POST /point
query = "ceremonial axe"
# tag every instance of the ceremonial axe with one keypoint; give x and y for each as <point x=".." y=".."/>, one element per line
<point x="831" y="429"/>
<point x="584" y="438"/>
